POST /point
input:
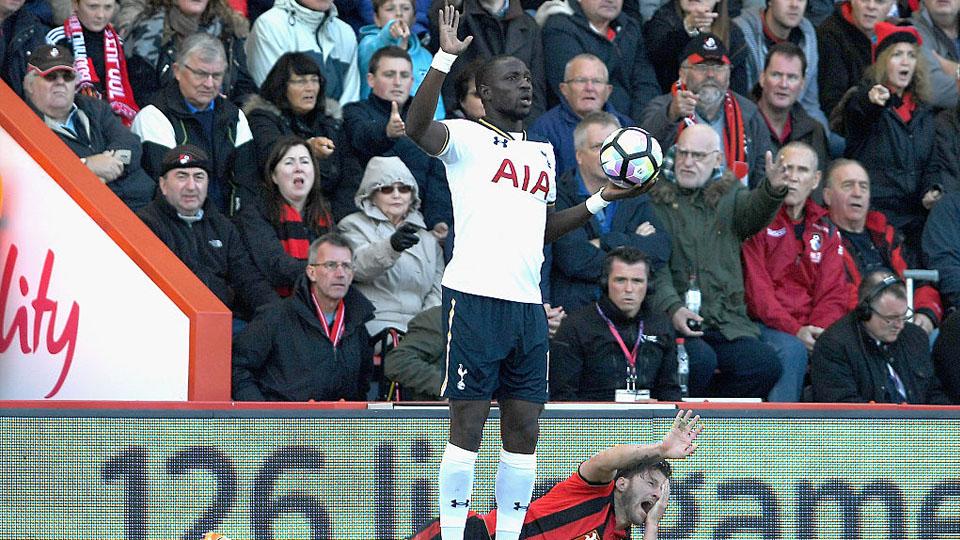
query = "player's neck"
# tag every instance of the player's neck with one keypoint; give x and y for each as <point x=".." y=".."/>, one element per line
<point x="503" y="123"/>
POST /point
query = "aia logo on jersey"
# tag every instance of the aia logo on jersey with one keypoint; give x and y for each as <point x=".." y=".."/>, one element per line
<point x="592" y="535"/>
<point x="508" y="171"/>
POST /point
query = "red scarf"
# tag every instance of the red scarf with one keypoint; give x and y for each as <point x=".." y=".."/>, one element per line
<point x="734" y="138"/>
<point x="119" y="92"/>
<point x="295" y="238"/>
<point x="906" y="108"/>
<point x="333" y="332"/>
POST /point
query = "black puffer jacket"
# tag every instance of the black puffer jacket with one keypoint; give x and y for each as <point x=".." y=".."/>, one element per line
<point x="28" y="33"/>
<point x="588" y="365"/>
<point x="211" y="248"/>
<point x="284" y="354"/>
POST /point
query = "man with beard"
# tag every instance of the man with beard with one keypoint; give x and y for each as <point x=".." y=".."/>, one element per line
<point x="621" y="486"/>
<point x="702" y="95"/>
<point x="503" y="190"/>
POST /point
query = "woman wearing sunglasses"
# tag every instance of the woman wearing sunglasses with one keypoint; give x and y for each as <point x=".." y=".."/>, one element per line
<point x="398" y="263"/>
<point x="290" y="215"/>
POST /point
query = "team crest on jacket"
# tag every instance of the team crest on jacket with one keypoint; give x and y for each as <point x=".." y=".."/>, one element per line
<point x="592" y="535"/>
<point x="815" y="244"/>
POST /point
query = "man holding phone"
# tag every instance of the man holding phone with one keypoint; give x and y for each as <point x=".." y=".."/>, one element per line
<point x="87" y="125"/>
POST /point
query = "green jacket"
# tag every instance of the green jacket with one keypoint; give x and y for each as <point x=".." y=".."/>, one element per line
<point x="417" y="363"/>
<point x="706" y="241"/>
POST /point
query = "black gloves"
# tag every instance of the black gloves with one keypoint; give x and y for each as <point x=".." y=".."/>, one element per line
<point x="405" y="237"/>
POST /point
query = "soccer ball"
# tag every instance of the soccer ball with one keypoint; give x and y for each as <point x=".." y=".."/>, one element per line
<point x="631" y="157"/>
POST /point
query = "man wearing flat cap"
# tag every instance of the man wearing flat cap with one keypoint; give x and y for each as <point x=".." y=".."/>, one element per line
<point x="86" y="125"/>
<point x="203" y="238"/>
<point x="702" y="95"/>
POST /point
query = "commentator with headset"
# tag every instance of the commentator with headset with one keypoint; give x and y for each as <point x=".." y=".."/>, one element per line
<point x="617" y="342"/>
<point x="875" y="353"/>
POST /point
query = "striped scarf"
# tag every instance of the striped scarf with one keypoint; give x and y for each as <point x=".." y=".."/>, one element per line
<point x="117" y="83"/>
<point x="295" y="238"/>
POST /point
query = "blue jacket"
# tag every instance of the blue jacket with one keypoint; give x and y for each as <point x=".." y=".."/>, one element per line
<point x="577" y="264"/>
<point x="374" y="38"/>
<point x="557" y="125"/>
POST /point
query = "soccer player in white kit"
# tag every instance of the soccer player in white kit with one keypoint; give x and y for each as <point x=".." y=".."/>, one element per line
<point x="503" y="188"/>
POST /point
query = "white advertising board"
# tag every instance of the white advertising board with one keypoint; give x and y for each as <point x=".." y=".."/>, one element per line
<point x="79" y="319"/>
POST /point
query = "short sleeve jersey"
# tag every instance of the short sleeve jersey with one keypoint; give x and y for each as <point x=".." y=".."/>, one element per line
<point x="500" y="184"/>
<point x="573" y="509"/>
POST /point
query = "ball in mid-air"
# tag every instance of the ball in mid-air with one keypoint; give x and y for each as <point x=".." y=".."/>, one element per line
<point x="631" y="157"/>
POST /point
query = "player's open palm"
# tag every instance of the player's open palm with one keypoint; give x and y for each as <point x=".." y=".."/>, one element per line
<point x="449" y="22"/>
<point x="679" y="442"/>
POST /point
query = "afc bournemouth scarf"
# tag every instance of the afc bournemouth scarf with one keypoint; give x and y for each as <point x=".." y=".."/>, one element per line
<point x="117" y="83"/>
<point x="295" y="238"/>
<point x="734" y="138"/>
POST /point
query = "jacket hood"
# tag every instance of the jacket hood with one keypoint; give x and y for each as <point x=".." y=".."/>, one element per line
<point x="305" y="14"/>
<point x="381" y="171"/>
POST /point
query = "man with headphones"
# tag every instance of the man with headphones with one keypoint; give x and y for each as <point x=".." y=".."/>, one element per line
<point x="619" y="337"/>
<point x="873" y="354"/>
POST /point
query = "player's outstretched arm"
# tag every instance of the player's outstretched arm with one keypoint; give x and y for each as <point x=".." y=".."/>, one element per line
<point x="560" y="223"/>
<point x="421" y="128"/>
<point x="678" y="443"/>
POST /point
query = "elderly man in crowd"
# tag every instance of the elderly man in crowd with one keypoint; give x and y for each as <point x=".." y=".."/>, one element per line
<point x="204" y="239"/>
<point x="86" y="125"/>
<point x="193" y="110"/>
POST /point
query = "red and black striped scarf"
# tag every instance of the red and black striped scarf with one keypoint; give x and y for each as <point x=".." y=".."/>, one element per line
<point x="734" y="138"/>
<point x="295" y="237"/>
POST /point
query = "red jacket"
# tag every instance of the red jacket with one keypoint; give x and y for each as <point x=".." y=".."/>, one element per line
<point x="887" y="242"/>
<point x="793" y="278"/>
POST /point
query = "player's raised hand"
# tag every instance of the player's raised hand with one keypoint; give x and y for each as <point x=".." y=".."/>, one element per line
<point x="449" y="22"/>
<point x="679" y="442"/>
<point x="395" y="126"/>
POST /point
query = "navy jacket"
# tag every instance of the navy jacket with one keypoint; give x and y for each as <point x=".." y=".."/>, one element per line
<point x="577" y="264"/>
<point x="631" y="72"/>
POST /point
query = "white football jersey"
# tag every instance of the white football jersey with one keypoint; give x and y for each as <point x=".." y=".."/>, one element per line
<point x="501" y="184"/>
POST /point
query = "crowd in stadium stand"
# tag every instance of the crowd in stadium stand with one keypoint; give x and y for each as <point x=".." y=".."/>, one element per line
<point x="264" y="142"/>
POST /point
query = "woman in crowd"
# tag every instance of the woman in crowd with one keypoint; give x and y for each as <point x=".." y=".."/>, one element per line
<point x="98" y="56"/>
<point x="890" y="130"/>
<point x="292" y="102"/>
<point x="672" y="25"/>
<point x="291" y="214"/>
<point x="398" y="263"/>
<point x="154" y="37"/>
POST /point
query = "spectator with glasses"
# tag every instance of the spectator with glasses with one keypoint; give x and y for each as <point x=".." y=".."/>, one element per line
<point x="314" y="344"/>
<point x="585" y="88"/>
<point x="398" y="262"/>
<point x="873" y="355"/>
<point x="194" y="110"/>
